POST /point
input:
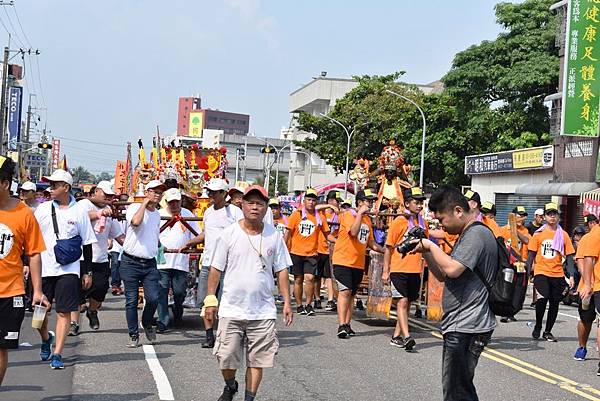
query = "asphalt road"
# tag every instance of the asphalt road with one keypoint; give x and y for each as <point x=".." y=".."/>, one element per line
<point x="313" y="364"/>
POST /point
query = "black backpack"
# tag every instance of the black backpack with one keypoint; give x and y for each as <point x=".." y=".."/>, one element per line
<point x="505" y="297"/>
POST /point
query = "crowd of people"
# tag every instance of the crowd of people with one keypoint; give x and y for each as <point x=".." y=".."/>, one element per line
<point x="71" y="253"/>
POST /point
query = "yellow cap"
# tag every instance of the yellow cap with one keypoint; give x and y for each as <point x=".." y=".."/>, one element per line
<point x="550" y="207"/>
<point x="347" y="201"/>
<point x="487" y="205"/>
<point x="311" y="192"/>
<point x="273" y="201"/>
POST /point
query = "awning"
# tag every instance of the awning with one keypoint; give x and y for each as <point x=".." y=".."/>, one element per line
<point x="556" y="188"/>
<point x="592" y="195"/>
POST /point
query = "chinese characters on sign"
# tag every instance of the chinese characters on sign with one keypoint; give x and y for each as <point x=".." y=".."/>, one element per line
<point x="591" y="206"/>
<point x="522" y="159"/>
<point x="55" y="153"/>
<point x="581" y="90"/>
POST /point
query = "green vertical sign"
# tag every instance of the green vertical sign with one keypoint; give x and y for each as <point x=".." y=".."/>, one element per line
<point x="581" y="80"/>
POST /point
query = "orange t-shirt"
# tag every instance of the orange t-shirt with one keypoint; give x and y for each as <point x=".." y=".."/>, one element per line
<point x="492" y="225"/>
<point x="19" y="234"/>
<point x="451" y="239"/>
<point x="350" y="251"/>
<point x="323" y="246"/>
<point x="505" y="233"/>
<point x="548" y="262"/>
<point x="589" y="246"/>
<point x="411" y="263"/>
<point x="304" y="233"/>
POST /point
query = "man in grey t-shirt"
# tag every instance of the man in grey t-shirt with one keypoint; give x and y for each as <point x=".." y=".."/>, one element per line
<point x="468" y="322"/>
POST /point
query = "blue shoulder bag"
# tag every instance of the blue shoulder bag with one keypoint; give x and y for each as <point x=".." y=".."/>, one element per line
<point x="66" y="251"/>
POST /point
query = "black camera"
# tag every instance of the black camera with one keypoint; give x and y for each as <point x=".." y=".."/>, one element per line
<point x="407" y="245"/>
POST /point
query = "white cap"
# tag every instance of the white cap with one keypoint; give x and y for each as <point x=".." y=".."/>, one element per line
<point x="155" y="184"/>
<point x="539" y="212"/>
<point x="106" y="187"/>
<point x="28" y="186"/>
<point x="216" y="184"/>
<point x="172" y="194"/>
<point x="59" y="175"/>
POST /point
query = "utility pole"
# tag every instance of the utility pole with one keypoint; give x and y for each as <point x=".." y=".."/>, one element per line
<point x="3" y="138"/>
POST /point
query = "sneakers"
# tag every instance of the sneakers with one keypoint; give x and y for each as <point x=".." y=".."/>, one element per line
<point x="161" y="328"/>
<point x="343" y="331"/>
<point x="418" y="314"/>
<point x="115" y="289"/>
<point x="580" y="354"/>
<point x="504" y="320"/>
<point x="512" y="319"/>
<point x="549" y="337"/>
<point x="351" y="332"/>
<point x="409" y="343"/>
<point x="228" y="392"/>
<point x="46" y="349"/>
<point x="210" y="340"/>
<point x="56" y="362"/>
<point x="134" y="341"/>
<point x="93" y="318"/>
<point x="309" y="310"/>
<point x="74" y="329"/>
<point x="359" y="305"/>
<point x="317" y="304"/>
<point x="536" y="333"/>
<point x="330" y="306"/>
<point x="301" y="310"/>
<point x="397" y="342"/>
<point x="150" y="333"/>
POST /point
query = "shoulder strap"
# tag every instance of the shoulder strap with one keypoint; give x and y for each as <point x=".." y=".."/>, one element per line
<point x="54" y="223"/>
<point x="476" y="270"/>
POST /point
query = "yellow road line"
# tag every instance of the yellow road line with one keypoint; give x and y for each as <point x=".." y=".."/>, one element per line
<point x="526" y="367"/>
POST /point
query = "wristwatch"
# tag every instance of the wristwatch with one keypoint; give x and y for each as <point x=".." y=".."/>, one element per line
<point x="89" y="273"/>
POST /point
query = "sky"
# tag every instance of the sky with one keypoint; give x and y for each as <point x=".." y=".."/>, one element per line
<point x="110" y="71"/>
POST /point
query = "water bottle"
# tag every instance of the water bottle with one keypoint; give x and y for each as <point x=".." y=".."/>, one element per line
<point x="585" y="303"/>
<point x="508" y="275"/>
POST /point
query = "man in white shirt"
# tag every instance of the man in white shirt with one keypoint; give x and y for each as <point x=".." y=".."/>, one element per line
<point x="114" y="252"/>
<point x="106" y="228"/>
<point x="216" y="218"/>
<point x="61" y="282"/>
<point x="248" y="254"/>
<point x="138" y="263"/>
<point x="174" y="272"/>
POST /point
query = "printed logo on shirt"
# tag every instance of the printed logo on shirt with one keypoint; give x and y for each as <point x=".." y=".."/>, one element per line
<point x="547" y="251"/>
<point x="270" y="252"/>
<point x="363" y="233"/>
<point x="280" y="227"/>
<point x="7" y="240"/>
<point x="306" y="228"/>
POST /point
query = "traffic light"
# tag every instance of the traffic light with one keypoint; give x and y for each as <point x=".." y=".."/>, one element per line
<point x="44" y="145"/>
<point x="268" y="149"/>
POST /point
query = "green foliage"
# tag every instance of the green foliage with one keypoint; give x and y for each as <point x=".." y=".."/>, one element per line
<point x="493" y="101"/>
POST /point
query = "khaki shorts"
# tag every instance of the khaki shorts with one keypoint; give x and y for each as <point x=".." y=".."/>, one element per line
<point x="257" y="337"/>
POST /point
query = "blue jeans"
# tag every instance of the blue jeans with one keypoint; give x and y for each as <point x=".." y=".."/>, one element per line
<point x="176" y="279"/>
<point x="133" y="272"/>
<point x="203" y="285"/>
<point x="459" y="360"/>
<point x="115" y="277"/>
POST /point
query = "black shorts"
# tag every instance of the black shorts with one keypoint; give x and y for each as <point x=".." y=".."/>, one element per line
<point x="302" y="265"/>
<point x="100" y="277"/>
<point x="348" y="278"/>
<point x="407" y="284"/>
<point x="588" y="316"/>
<point x="551" y="288"/>
<point x="323" y="266"/>
<point x="63" y="291"/>
<point x="12" y="312"/>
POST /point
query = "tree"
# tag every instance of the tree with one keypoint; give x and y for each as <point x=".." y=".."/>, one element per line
<point x="493" y="101"/>
<point x="104" y="176"/>
<point x="81" y="175"/>
<point x="282" y="184"/>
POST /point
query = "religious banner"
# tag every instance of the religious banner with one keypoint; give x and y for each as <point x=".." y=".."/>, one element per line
<point x="581" y="80"/>
<point x="121" y="177"/>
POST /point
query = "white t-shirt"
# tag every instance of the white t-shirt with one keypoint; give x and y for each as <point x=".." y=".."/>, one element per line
<point x="214" y="223"/>
<point x="248" y="278"/>
<point x="116" y="247"/>
<point x="112" y="230"/>
<point x="142" y="241"/>
<point x="176" y="237"/>
<point x="71" y="222"/>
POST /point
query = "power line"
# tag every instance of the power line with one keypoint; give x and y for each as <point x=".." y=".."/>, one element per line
<point x="37" y="62"/>
<point x="21" y="26"/>
<point x="21" y="43"/>
<point x="90" y="142"/>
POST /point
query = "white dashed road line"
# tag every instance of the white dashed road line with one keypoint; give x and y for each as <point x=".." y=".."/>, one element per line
<point x="165" y="392"/>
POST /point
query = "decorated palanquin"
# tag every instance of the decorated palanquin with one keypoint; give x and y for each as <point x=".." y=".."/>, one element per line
<point x="393" y="175"/>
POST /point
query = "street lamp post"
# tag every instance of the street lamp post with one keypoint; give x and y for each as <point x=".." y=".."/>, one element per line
<point x="349" y="135"/>
<point x="277" y="153"/>
<point x="308" y="157"/>
<point x="424" y="130"/>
